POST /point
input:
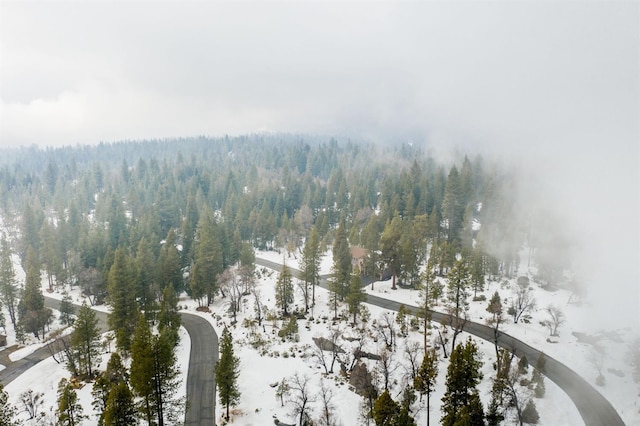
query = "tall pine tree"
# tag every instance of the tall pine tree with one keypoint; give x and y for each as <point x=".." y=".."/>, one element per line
<point x="227" y="372"/>
<point x="463" y="377"/>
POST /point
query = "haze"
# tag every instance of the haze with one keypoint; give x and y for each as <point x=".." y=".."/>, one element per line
<point x="552" y="87"/>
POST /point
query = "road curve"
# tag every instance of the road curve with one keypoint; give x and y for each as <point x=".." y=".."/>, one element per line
<point x="594" y="409"/>
<point x="200" y="377"/>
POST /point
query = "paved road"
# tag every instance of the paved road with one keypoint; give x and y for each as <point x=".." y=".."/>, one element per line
<point x="200" y="377"/>
<point x="592" y="406"/>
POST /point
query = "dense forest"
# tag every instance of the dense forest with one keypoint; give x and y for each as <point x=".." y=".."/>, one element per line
<point x="134" y="224"/>
<point x="75" y="206"/>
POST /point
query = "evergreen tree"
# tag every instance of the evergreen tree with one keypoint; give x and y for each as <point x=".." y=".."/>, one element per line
<point x="385" y="410"/>
<point x="85" y="340"/>
<point x="310" y="266"/>
<point x="530" y="413"/>
<point x="208" y="262"/>
<point x="66" y="309"/>
<point x="463" y="376"/>
<point x="341" y="270"/>
<point x="227" y="372"/>
<point x="34" y="317"/>
<point x="141" y="370"/>
<point x="69" y="410"/>
<point x="169" y="317"/>
<point x="284" y="290"/>
<point x="124" y="308"/>
<point x="8" y="412"/>
<point x="8" y="285"/>
<point x="120" y="409"/>
<point x="390" y="246"/>
<point x="425" y="379"/>
<point x="170" y="264"/>
<point x="114" y="374"/>
<point x="356" y="296"/>
<point x="457" y="294"/>
<point x="153" y="371"/>
<point x="147" y="291"/>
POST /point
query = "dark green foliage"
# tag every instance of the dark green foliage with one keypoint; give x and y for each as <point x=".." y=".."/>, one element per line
<point x="341" y="270"/>
<point x="289" y="331"/>
<point x="385" y="410"/>
<point x="120" y="409"/>
<point x="426" y="376"/>
<point x="7" y="411"/>
<point x="115" y="373"/>
<point x="124" y="308"/>
<point x="227" y="372"/>
<point x="310" y="266"/>
<point x="356" y="296"/>
<point x="33" y="315"/>
<point x="69" y="410"/>
<point x="284" y="290"/>
<point x="8" y="284"/>
<point x="463" y="376"/>
<point x="66" y="310"/>
<point x="153" y="372"/>
<point x="85" y="340"/>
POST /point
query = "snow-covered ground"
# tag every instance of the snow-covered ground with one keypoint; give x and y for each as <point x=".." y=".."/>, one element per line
<point x="274" y="360"/>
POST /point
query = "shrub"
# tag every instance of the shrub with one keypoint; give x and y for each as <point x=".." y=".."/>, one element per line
<point x="530" y="413"/>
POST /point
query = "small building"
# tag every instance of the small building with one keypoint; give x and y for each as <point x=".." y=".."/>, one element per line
<point x="358" y="255"/>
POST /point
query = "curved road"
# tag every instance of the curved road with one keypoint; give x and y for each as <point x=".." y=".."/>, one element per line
<point x="592" y="406"/>
<point x="200" y="378"/>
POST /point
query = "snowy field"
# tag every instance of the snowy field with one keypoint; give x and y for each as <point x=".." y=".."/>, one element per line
<point x="263" y="365"/>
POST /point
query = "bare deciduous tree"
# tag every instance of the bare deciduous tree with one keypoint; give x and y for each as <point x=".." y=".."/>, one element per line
<point x="386" y="366"/>
<point x="301" y="396"/>
<point x="522" y="302"/>
<point x="386" y="329"/>
<point x="231" y="286"/>
<point x="327" y="417"/>
<point x="556" y="319"/>
<point x="411" y="354"/>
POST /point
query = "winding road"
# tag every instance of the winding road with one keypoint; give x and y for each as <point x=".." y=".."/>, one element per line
<point x="200" y="377"/>
<point x="592" y="406"/>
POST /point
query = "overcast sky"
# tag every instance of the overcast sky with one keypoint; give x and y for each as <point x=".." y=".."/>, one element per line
<point x="551" y="85"/>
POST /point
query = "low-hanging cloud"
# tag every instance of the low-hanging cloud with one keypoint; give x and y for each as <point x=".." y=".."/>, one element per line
<point x="552" y="87"/>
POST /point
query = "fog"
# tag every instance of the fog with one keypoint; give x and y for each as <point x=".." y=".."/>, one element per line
<point x="551" y="87"/>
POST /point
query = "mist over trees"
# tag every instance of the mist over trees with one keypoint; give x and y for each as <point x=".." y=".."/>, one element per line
<point x="134" y="224"/>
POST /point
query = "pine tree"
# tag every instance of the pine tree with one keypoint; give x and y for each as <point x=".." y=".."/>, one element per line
<point x="463" y="376"/>
<point x="7" y="411"/>
<point x="385" y="410"/>
<point x="142" y="367"/>
<point x="310" y="266"/>
<point x="208" y="263"/>
<point x="120" y="409"/>
<point x="169" y="318"/>
<point x="66" y="309"/>
<point x="227" y="372"/>
<point x="425" y="380"/>
<point x="114" y="374"/>
<point x="356" y="296"/>
<point x="170" y="264"/>
<point x="85" y="340"/>
<point x="8" y="286"/>
<point x="457" y="294"/>
<point x="124" y="308"/>
<point x="530" y="413"/>
<point x="390" y="246"/>
<point x="284" y="290"/>
<point x="69" y="409"/>
<point x="147" y="290"/>
<point x="34" y="317"/>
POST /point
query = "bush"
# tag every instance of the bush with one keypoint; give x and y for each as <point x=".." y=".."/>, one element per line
<point x="530" y="413"/>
